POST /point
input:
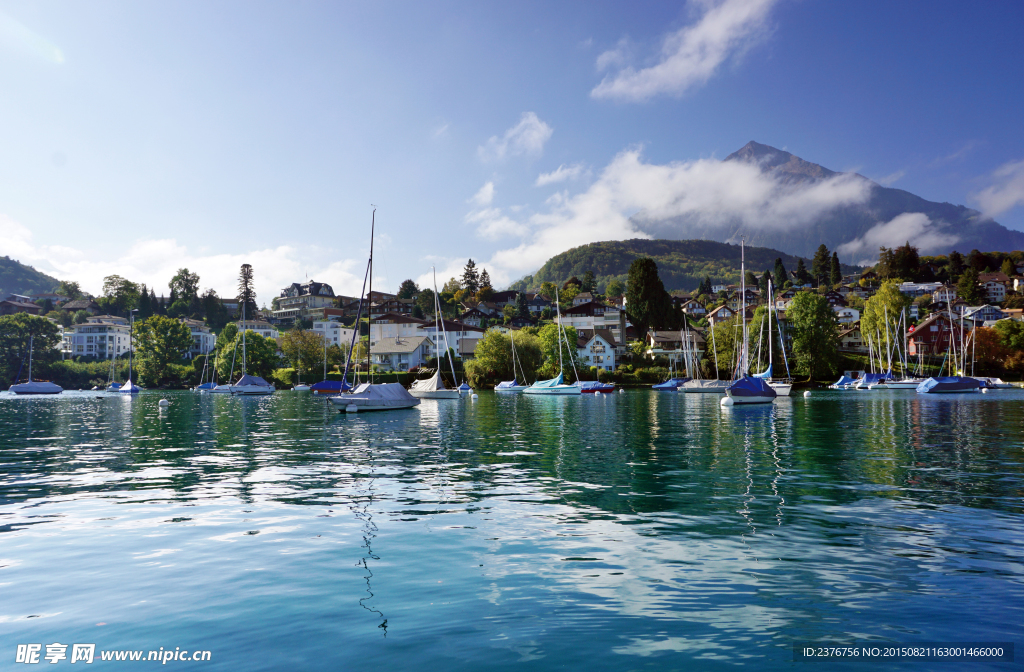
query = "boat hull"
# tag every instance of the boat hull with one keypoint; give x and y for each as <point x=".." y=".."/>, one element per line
<point x="782" y="389"/>
<point x="251" y="390"/>
<point x="513" y="388"/>
<point x="950" y="385"/>
<point x="435" y="394"/>
<point x="557" y="390"/>
<point x="705" y="386"/>
<point x="301" y="388"/>
<point x="35" y="387"/>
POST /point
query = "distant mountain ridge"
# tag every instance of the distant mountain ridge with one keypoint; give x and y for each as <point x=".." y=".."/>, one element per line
<point x="843" y="224"/>
<point x="682" y="264"/>
<point x="19" y="278"/>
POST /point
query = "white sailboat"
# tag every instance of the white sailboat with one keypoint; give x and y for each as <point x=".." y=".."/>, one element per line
<point x="782" y="386"/>
<point x="746" y="389"/>
<point x="368" y="396"/>
<point x="34" y="386"/>
<point x="512" y="385"/>
<point x="129" y="387"/>
<point x="706" y="385"/>
<point x="249" y="385"/>
<point x="226" y="387"/>
<point x="556" y="385"/>
<point x="434" y="387"/>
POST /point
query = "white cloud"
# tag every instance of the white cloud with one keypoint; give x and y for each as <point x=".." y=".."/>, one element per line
<point x="690" y="56"/>
<point x="732" y="194"/>
<point x="22" y="39"/>
<point x="891" y="179"/>
<point x="485" y="195"/>
<point x="1007" y="191"/>
<point x="525" y="138"/>
<point x="560" y="174"/>
<point x="155" y="261"/>
<point x="440" y="131"/>
<point x="916" y="226"/>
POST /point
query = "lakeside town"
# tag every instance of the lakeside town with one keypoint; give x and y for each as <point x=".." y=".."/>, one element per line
<point x="628" y="333"/>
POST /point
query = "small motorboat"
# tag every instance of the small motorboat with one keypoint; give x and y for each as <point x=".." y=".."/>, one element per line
<point x="593" y="386"/>
<point x="509" y="386"/>
<point x="301" y="387"/>
<point x="949" y="385"/>
<point x="670" y="385"/>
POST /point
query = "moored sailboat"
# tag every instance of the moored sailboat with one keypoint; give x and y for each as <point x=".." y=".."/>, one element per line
<point x="34" y="386"/>
<point x="555" y="385"/>
<point x="746" y="389"/>
<point x="434" y="387"/>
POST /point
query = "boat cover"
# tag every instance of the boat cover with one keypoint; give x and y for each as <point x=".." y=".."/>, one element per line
<point x="330" y="386"/>
<point x="845" y="380"/>
<point x="766" y="374"/>
<point x="129" y="387"/>
<point x="36" y="387"/>
<point x="872" y="378"/>
<point x="431" y="384"/>
<point x="949" y="384"/>
<point x="383" y="394"/>
<point x="464" y="387"/>
<point x="670" y="384"/>
<point x="554" y="382"/>
<point x="748" y="386"/>
<point x="594" y="385"/>
<point x="504" y="385"/>
<point x="206" y="386"/>
<point x="255" y="381"/>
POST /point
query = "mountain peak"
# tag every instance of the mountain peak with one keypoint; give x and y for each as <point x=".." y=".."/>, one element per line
<point x="779" y="161"/>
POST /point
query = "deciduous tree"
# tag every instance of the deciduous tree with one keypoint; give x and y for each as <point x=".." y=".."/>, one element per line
<point x="159" y="343"/>
<point x="815" y="334"/>
<point x="492" y="360"/>
<point x="408" y="289"/>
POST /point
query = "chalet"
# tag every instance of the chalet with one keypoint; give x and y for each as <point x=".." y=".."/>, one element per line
<point x="16" y="303"/>
<point x="694" y="308"/>
<point x="582" y="316"/>
<point x="582" y="297"/>
<point x="862" y="292"/>
<point x="835" y="299"/>
<point x="844" y="290"/>
<point x="507" y="298"/>
<point x="932" y="336"/>
<point x="474" y="317"/>
<point x="520" y="322"/>
<point x="537" y="303"/>
<point x="596" y="347"/>
<point x="851" y="340"/>
<point x="981" y="314"/>
<point x="296" y="299"/>
<point x="720" y="314"/>
<point x="88" y="305"/>
<point x="752" y="298"/>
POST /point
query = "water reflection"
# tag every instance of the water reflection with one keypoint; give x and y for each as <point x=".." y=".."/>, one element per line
<point x="651" y="525"/>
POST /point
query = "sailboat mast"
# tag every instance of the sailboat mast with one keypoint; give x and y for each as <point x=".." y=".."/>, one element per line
<point x="244" y="370"/>
<point x="31" y="338"/>
<point x="439" y="320"/>
<point x="559" y="311"/>
<point x="743" y="306"/>
<point x="770" y="325"/>
<point x="369" y="302"/>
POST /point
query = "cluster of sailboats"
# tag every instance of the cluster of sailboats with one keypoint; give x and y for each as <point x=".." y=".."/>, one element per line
<point x="886" y="350"/>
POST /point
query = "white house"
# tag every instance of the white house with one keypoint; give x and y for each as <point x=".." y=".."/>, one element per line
<point x="455" y="331"/>
<point x="395" y="325"/>
<point x="334" y="332"/>
<point x="401" y="354"/>
<point x="298" y="299"/>
<point x="944" y="294"/>
<point x="596" y="347"/>
<point x="263" y="328"/>
<point x="102" y="336"/>
<point x="916" y="289"/>
<point x="994" y="285"/>
<point x="720" y="314"/>
<point x="203" y="339"/>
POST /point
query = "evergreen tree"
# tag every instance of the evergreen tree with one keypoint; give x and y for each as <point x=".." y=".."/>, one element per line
<point x="522" y="310"/>
<point x="485" y="279"/>
<point x="821" y="264"/>
<point x="470" y="279"/>
<point x="246" y="292"/>
<point x="154" y="303"/>
<point x="967" y="287"/>
<point x="589" y="284"/>
<point x="647" y="302"/>
<point x="145" y="306"/>
<point x="408" y="289"/>
<point x="780" y="273"/>
<point x="802" y="276"/>
<point x="764" y="284"/>
<point x="836" y="275"/>
<point x="705" y="286"/>
<point x="955" y="266"/>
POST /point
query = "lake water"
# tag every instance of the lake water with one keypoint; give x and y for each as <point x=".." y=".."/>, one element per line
<point x="636" y="531"/>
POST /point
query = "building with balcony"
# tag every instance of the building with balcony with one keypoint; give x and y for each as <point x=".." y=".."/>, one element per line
<point x="335" y="333"/>
<point x="299" y="299"/>
<point x="596" y="347"/>
<point x="203" y="339"/>
<point x="101" y="337"/>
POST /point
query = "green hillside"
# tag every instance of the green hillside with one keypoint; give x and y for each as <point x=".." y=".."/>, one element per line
<point x="17" y="278"/>
<point x="682" y="264"/>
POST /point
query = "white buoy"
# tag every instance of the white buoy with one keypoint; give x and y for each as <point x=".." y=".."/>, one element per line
<point x="807" y="393"/>
<point x="164" y="403"/>
<point x="351" y="408"/>
<point x="621" y="391"/>
<point x="984" y="390"/>
<point x="474" y="397"/>
<point x="727" y="401"/>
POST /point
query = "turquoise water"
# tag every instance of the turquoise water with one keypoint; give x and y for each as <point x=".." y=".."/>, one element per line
<point x="632" y="531"/>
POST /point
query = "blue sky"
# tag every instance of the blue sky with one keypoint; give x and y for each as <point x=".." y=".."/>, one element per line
<point x="141" y="137"/>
